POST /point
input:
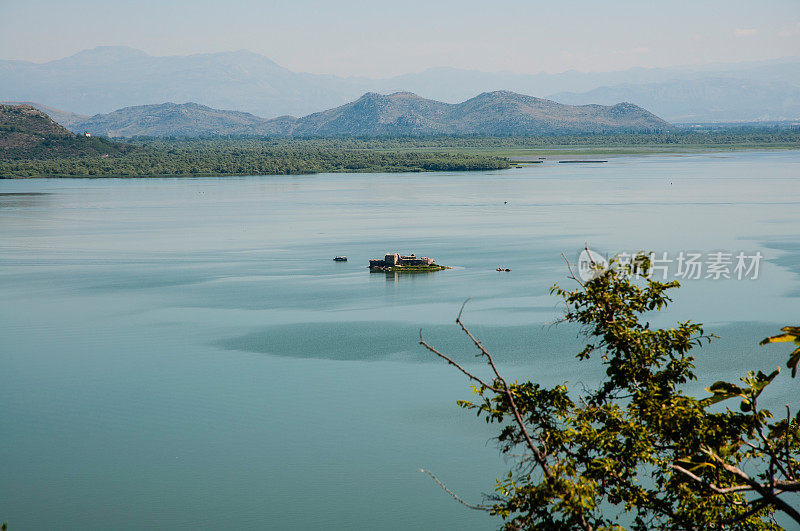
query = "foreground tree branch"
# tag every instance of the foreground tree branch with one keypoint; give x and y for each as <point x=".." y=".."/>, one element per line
<point x="636" y="447"/>
<point x="768" y="492"/>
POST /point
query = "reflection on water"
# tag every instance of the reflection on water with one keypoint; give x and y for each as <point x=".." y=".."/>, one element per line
<point x="21" y="199"/>
<point x="395" y="276"/>
<point x="179" y="353"/>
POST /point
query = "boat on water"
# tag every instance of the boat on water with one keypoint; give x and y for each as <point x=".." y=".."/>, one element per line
<point x="340" y="259"/>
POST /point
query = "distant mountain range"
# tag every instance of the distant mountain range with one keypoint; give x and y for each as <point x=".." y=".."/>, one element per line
<point x="103" y="79"/>
<point x="702" y="100"/>
<point x="401" y="113"/>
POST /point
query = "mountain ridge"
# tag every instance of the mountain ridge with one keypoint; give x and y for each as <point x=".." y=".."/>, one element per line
<point x="375" y="114"/>
<point x="105" y="79"/>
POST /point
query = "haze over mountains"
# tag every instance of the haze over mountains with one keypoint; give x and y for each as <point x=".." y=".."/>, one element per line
<point x="401" y="113"/>
<point x="104" y="79"/>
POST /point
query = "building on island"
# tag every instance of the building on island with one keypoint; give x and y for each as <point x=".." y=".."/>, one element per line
<point x="397" y="260"/>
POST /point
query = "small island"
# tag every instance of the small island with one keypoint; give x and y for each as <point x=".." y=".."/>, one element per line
<point x="396" y="263"/>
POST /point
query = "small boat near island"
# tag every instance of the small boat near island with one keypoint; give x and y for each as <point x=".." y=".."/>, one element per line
<point x="580" y="161"/>
<point x="340" y="259"/>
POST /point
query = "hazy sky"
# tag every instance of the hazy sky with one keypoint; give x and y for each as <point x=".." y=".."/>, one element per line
<point x="380" y="38"/>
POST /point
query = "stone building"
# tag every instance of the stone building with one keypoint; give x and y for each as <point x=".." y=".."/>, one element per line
<point x="395" y="259"/>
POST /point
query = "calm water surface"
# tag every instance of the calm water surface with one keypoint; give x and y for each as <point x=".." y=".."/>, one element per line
<point x="183" y="353"/>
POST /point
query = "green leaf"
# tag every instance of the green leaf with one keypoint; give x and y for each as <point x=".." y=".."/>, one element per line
<point x="794" y="358"/>
<point x="762" y="380"/>
<point x="722" y="391"/>
<point x="792" y="334"/>
<point x="724" y="387"/>
<point x="783" y="338"/>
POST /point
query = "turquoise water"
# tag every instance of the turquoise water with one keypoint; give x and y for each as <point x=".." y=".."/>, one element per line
<point x="184" y="352"/>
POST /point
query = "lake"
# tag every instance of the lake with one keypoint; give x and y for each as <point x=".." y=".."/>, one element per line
<point x="185" y="353"/>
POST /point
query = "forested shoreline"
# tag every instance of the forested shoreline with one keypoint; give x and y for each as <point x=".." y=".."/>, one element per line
<point x="220" y="156"/>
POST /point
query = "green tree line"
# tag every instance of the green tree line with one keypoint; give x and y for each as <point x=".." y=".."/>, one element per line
<point x="243" y="157"/>
<point x="139" y="157"/>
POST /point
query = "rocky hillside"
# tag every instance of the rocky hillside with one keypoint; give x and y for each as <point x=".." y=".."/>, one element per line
<point x="401" y="113"/>
<point x="65" y="118"/>
<point x="490" y="113"/>
<point x="27" y="132"/>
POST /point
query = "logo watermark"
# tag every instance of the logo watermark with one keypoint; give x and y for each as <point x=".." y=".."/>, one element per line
<point x="686" y="265"/>
<point x="591" y="265"/>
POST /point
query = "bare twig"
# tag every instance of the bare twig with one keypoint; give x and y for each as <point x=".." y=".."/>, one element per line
<point x="589" y="253"/>
<point x="456" y="365"/>
<point x="718" y="490"/>
<point x="571" y="273"/>
<point x="453" y="494"/>
<point x="537" y="453"/>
